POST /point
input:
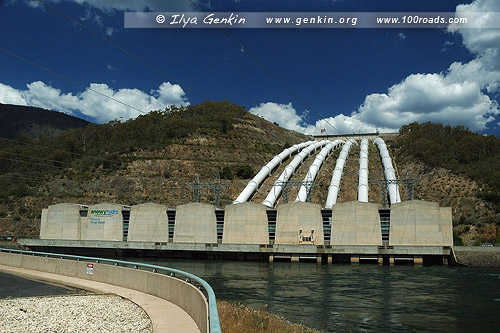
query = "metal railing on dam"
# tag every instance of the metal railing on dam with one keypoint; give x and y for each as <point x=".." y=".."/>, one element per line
<point x="196" y="296"/>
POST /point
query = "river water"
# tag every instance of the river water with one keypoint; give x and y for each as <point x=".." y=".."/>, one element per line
<point x="339" y="298"/>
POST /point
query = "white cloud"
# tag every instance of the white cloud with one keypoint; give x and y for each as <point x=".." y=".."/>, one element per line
<point x="419" y="98"/>
<point x="110" y="31"/>
<point x="344" y="124"/>
<point x="34" y="4"/>
<point x="110" y="7"/>
<point x="88" y="15"/>
<point x="91" y="16"/>
<point x="93" y="105"/>
<point x="429" y="97"/>
<point x="479" y="40"/>
<point x="286" y="116"/>
<point x="282" y="114"/>
<point x="110" y="68"/>
<point x="99" y="20"/>
<point x="458" y="95"/>
<point x="446" y="45"/>
<point x="9" y="95"/>
<point x="401" y="36"/>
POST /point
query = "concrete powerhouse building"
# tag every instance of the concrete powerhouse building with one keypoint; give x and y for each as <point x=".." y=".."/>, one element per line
<point x="413" y="222"/>
<point x="359" y="229"/>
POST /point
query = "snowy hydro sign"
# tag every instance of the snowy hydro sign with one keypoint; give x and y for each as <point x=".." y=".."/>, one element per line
<point x="98" y="216"/>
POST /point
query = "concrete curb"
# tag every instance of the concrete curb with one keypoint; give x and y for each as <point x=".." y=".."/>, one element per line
<point x="165" y="316"/>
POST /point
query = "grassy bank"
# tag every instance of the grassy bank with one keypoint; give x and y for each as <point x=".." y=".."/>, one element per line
<point x="239" y="318"/>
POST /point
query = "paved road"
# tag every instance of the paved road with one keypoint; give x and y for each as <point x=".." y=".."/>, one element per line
<point x="13" y="286"/>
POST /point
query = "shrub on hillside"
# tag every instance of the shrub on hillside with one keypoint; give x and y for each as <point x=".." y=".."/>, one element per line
<point x="244" y="172"/>
<point x="226" y="173"/>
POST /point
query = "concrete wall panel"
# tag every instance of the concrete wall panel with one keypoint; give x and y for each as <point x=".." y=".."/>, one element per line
<point x="103" y="222"/>
<point x="295" y="216"/>
<point x="61" y="221"/>
<point x="447" y="226"/>
<point x="195" y="223"/>
<point x="355" y="223"/>
<point x="245" y="223"/>
<point x="418" y="222"/>
<point x="148" y="223"/>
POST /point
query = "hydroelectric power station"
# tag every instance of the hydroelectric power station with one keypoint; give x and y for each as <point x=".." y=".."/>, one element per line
<point x="410" y="231"/>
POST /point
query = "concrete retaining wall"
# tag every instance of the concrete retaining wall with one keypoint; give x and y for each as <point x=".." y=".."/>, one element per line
<point x="181" y="293"/>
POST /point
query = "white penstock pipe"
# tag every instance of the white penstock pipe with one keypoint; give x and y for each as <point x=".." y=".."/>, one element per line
<point x="266" y="171"/>
<point x="314" y="168"/>
<point x="363" y="172"/>
<point x="389" y="173"/>
<point x="333" y="189"/>
<point x="288" y="172"/>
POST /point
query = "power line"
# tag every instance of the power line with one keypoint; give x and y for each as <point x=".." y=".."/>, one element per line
<point x="59" y="150"/>
<point x="35" y="163"/>
<point x="17" y="177"/>
<point x="68" y="79"/>
<point x="273" y="75"/>
<point x="68" y="164"/>
<point x="34" y="157"/>
<point x="133" y="56"/>
<point x="255" y="59"/>
<point x="152" y="67"/>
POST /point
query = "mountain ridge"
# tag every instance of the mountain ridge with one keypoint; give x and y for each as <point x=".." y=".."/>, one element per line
<point x="17" y="120"/>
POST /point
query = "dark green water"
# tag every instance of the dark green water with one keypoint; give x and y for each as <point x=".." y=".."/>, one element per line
<point x="339" y="298"/>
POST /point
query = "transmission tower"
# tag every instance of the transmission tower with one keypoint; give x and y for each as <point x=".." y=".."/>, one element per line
<point x="287" y="185"/>
<point x="217" y="187"/>
<point x="409" y="184"/>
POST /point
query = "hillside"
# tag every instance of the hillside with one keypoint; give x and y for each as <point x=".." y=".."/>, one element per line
<point x="459" y="168"/>
<point x="17" y="120"/>
<point x="156" y="156"/>
<point x="151" y="158"/>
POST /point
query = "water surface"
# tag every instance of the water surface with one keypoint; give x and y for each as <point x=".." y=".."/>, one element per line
<point x="339" y="298"/>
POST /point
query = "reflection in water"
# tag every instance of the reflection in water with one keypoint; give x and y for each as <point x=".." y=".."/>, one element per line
<point x="362" y="298"/>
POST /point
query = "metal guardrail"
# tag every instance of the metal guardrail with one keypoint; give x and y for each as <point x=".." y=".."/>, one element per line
<point x="213" y="314"/>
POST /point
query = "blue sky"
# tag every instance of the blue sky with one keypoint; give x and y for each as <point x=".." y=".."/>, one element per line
<point x="358" y="79"/>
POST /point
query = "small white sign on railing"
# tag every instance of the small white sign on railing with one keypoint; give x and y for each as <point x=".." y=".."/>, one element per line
<point x="90" y="269"/>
